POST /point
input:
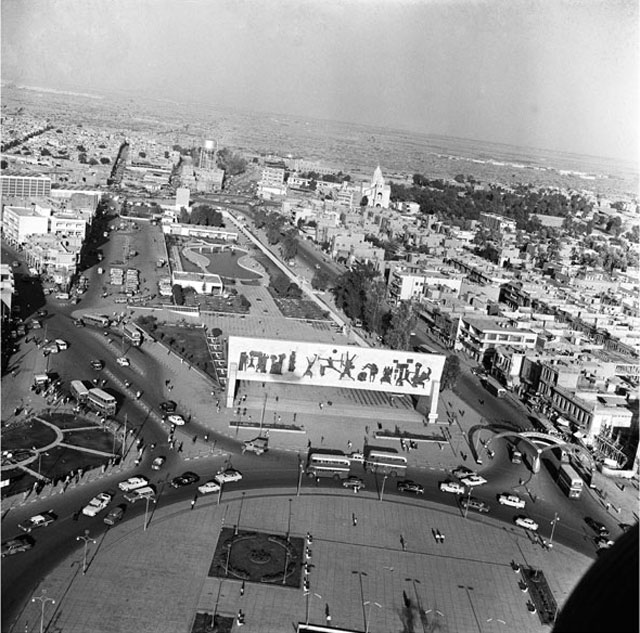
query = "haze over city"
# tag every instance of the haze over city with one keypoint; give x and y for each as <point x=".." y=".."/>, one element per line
<point x="560" y="75"/>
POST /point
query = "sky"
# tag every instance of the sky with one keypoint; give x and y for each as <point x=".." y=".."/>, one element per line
<point x="551" y="74"/>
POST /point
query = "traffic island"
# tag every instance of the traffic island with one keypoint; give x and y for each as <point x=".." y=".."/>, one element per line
<point x="541" y="597"/>
<point x="258" y="557"/>
<point x="211" y="623"/>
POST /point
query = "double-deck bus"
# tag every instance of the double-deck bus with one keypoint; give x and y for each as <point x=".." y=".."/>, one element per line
<point x="79" y="391"/>
<point x="336" y="465"/>
<point x="570" y="481"/>
<point x="101" y="401"/>
<point x="100" y="320"/>
<point x="133" y="334"/>
<point x="386" y="461"/>
<point x="494" y="387"/>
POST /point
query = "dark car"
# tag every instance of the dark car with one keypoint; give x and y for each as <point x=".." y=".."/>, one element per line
<point x="115" y="515"/>
<point x="474" y="504"/>
<point x="97" y="364"/>
<point x="186" y="479"/>
<point x="21" y="543"/>
<point x="410" y="486"/>
<point x="600" y="528"/>
<point x="168" y="406"/>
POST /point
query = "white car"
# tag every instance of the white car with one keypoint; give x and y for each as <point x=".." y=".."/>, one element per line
<point x="511" y="500"/>
<point x="62" y="344"/>
<point x="132" y="483"/>
<point x="356" y="457"/>
<point x="473" y="480"/>
<point x="176" y="419"/>
<point x="451" y="486"/>
<point x="526" y="523"/>
<point x="210" y="486"/>
<point x="227" y="476"/>
<point x="123" y="361"/>
<point x="97" y="504"/>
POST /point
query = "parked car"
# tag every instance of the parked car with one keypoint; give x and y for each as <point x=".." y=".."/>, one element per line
<point x="462" y="471"/>
<point x="169" y="406"/>
<point x="186" y="479"/>
<point x="602" y="542"/>
<point x="228" y="475"/>
<point x="473" y="480"/>
<point x="176" y="419"/>
<point x="451" y="486"/>
<point x="97" y="504"/>
<point x="132" y="483"/>
<point x="97" y="364"/>
<point x="62" y="344"/>
<point x="38" y="521"/>
<point x="158" y="462"/>
<point x="146" y="492"/>
<point x="507" y="499"/>
<point x="474" y="504"/>
<point x="210" y="486"/>
<point x="600" y="528"/>
<point x="123" y="361"/>
<point x="410" y="486"/>
<point x="526" y="522"/>
<point x="21" y="543"/>
<point x="115" y="515"/>
<point x="355" y="483"/>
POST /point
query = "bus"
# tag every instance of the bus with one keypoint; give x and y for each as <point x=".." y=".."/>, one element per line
<point x="79" y="391"/>
<point x="95" y="319"/>
<point x="336" y="465"/>
<point x="101" y="401"/>
<point x="133" y="334"/>
<point x="386" y="461"/>
<point x="570" y="481"/>
<point x="494" y="387"/>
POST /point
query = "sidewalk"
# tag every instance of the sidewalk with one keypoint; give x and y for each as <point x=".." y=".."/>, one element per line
<point x="464" y="580"/>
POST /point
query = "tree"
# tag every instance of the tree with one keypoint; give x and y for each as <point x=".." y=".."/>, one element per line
<point x="450" y="372"/>
<point x="364" y="202"/>
<point x="350" y="289"/>
<point x="105" y="160"/>
<point x="45" y="152"/>
<point x="232" y="163"/>
<point x="320" y="280"/>
<point x="403" y="321"/>
<point x="375" y="306"/>
<point x="178" y="295"/>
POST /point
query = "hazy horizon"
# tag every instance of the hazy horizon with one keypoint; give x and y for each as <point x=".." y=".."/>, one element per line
<point x="559" y="75"/>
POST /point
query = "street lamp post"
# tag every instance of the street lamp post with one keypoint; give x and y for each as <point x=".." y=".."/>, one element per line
<point x="364" y="613"/>
<point x="220" y="491"/>
<point x="289" y="523"/>
<point x="87" y="539"/>
<point x="43" y="601"/>
<point x="466" y="510"/>
<point x="384" y="479"/>
<point x="556" y="518"/>
<point x="317" y="595"/>
<point x="415" y="590"/>
<point x="240" y="513"/>
<point x="300" y="471"/>
<point x="368" y="623"/>
<point x="473" y="609"/>
<point x="146" y="512"/>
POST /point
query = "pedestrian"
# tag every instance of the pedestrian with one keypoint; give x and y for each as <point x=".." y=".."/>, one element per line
<point x="76" y="515"/>
<point x="195" y="439"/>
<point x="349" y="445"/>
<point x="354" y="518"/>
<point x="180" y="448"/>
<point x="322" y="439"/>
<point x="308" y="443"/>
<point x="242" y="588"/>
<point x="294" y="416"/>
<point x="206" y="438"/>
<point x="193" y="501"/>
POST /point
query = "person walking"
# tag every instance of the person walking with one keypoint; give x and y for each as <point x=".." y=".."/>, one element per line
<point x="193" y="501"/>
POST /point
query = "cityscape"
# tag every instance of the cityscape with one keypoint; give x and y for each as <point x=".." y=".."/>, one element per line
<point x="306" y="367"/>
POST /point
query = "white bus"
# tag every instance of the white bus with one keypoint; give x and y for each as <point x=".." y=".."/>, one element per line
<point x="570" y="481"/>
<point x="95" y="319"/>
<point x="79" y="391"/>
<point x="133" y="334"/>
<point x="336" y="465"/>
<point x="101" y="401"/>
<point x="386" y="461"/>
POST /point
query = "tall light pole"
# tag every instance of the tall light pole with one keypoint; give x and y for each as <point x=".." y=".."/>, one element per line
<point x="300" y="471"/>
<point x="87" y="539"/>
<point x="368" y="623"/>
<point x="240" y="513"/>
<point x="220" y="491"/>
<point x="43" y="601"/>
<point x="146" y="512"/>
<point x="556" y="518"/>
<point x="468" y="590"/>
<point x="289" y="523"/>
<point x="384" y="479"/>
<point x="466" y="510"/>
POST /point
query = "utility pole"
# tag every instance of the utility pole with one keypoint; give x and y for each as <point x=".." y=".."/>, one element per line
<point x="87" y="539"/>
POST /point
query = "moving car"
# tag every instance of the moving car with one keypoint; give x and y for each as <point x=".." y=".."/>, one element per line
<point x="176" y="419"/>
<point x="257" y="445"/>
<point x="462" y="471"/>
<point x="353" y="482"/>
<point x="473" y="480"/>
<point x="169" y="406"/>
<point x="21" y="543"/>
<point x="132" y="483"/>
<point x="97" y="364"/>
<point x="123" y="361"/>
<point x="158" y="462"/>
<point x="37" y="521"/>
<point x="115" y="515"/>
<point x="210" y="486"/>
<point x="186" y="479"/>
<point x="146" y="492"/>
<point x="228" y="475"/>
<point x="507" y="499"/>
<point x="451" y="486"/>
<point x="600" y="528"/>
<point x="97" y="504"/>
<point x="410" y="486"/>
<point x="474" y="504"/>
<point x="526" y="523"/>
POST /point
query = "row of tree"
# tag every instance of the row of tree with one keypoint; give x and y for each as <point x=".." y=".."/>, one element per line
<point x="202" y="214"/>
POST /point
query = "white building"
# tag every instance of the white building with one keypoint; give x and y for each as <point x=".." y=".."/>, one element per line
<point x="19" y="223"/>
<point x="377" y="192"/>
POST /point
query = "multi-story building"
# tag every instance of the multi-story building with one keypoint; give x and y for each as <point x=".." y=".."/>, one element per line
<point x="7" y="287"/>
<point x="68" y="224"/>
<point x="25" y="186"/>
<point x="54" y="256"/>
<point x="476" y="336"/>
<point x="413" y="282"/>
<point x="498" y="223"/>
<point x="19" y="223"/>
<point x="272" y="181"/>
